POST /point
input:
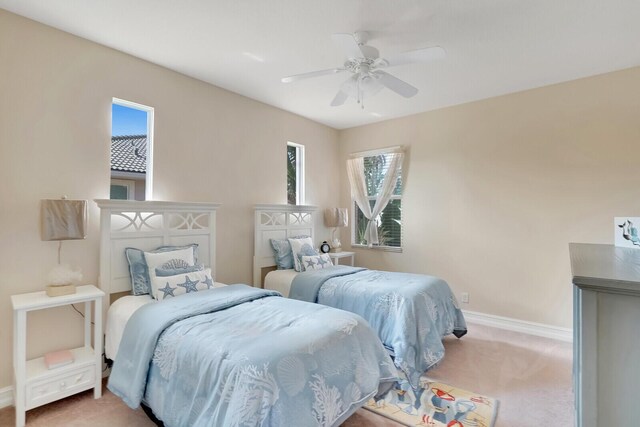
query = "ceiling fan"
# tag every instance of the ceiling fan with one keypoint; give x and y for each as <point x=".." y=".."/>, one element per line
<point x="365" y="64"/>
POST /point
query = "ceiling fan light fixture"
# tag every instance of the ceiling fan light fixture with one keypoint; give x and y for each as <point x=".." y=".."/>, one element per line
<point x="370" y="85"/>
<point x="358" y="87"/>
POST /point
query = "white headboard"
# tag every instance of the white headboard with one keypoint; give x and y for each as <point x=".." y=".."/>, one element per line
<point x="147" y="225"/>
<point x="277" y="222"/>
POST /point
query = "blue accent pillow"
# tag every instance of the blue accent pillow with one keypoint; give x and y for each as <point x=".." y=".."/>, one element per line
<point x="282" y="252"/>
<point x="140" y="280"/>
<point x="165" y="272"/>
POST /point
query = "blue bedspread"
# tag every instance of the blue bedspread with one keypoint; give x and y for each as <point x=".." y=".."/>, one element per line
<point x="410" y="312"/>
<point x="240" y="356"/>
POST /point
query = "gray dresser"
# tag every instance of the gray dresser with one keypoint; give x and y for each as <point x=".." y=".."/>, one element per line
<point x="606" y="367"/>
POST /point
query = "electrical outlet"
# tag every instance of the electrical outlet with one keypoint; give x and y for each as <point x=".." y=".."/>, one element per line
<point x="465" y="297"/>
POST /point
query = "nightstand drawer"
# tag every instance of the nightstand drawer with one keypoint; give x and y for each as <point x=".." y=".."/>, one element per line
<point x="45" y="391"/>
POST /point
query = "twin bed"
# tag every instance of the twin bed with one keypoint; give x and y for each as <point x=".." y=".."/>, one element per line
<point x="410" y="313"/>
<point x="208" y="358"/>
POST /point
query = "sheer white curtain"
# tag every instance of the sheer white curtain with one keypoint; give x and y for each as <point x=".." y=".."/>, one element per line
<point x="357" y="181"/>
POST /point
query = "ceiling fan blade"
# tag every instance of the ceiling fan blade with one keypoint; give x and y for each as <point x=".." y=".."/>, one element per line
<point x="395" y="84"/>
<point x="349" y="45"/>
<point x="414" y="56"/>
<point x="340" y="98"/>
<point x="348" y="87"/>
<point x="297" y="77"/>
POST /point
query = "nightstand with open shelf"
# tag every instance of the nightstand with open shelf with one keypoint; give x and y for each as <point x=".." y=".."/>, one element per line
<point x="337" y="256"/>
<point x="34" y="384"/>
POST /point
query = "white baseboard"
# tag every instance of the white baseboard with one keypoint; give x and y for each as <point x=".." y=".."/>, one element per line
<point x="523" y="326"/>
<point x="6" y="397"/>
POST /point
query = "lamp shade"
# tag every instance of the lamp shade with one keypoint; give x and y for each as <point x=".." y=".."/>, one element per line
<point x="63" y="219"/>
<point x="336" y="217"/>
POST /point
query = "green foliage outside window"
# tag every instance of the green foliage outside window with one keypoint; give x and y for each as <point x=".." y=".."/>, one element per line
<point x="291" y="175"/>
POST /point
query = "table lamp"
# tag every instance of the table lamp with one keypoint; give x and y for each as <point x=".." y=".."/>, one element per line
<point x="63" y="219"/>
<point x="336" y="217"/>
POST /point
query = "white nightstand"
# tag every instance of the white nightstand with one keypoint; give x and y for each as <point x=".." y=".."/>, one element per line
<point x="34" y="384"/>
<point x="336" y="256"/>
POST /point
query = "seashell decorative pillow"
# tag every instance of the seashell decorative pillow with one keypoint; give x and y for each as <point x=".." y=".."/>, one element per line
<point x="173" y="264"/>
<point x="164" y="272"/>
<point x="139" y="271"/>
<point x="157" y="259"/>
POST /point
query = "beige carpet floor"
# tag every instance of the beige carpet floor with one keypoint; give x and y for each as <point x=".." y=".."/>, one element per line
<point x="530" y="376"/>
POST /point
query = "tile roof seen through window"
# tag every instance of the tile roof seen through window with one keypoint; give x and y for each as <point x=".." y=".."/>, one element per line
<point x="129" y="153"/>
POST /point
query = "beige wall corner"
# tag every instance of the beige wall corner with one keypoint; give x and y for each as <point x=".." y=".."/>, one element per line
<point x="496" y="189"/>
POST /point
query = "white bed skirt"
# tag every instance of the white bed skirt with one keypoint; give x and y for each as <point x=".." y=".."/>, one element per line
<point x="280" y="280"/>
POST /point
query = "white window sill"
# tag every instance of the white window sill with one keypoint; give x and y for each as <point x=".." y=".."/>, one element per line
<point x="378" y="248"/>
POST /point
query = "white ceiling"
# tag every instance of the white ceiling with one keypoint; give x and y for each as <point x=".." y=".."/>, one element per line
<point x="493" y="47"/>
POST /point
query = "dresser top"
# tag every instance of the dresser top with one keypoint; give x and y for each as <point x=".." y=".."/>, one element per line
<point x="606" y="267"/>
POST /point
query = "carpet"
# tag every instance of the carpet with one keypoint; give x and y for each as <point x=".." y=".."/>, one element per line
<point x="435" y="404"/>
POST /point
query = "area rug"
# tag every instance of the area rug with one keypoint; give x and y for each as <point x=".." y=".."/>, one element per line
<point x="435" y="404"/>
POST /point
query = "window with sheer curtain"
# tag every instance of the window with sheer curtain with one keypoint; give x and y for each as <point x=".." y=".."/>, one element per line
<point x="376" y="179"/>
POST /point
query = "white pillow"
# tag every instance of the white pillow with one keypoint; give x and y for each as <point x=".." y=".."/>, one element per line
<point x="301" y="247"/>
<point x="316" y="262"/>
<point x="173" y="286"/>
<point x="160" y="259"/>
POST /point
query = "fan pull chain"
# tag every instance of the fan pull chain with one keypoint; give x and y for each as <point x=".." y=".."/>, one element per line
<point x="359" y="94"/>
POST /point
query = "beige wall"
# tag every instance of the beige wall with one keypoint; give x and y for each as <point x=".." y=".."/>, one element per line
<point x="55" y="133"/>
<point x="496" y="189"/>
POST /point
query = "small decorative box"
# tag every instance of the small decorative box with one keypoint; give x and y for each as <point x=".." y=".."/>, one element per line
<point x="57" y="359"/>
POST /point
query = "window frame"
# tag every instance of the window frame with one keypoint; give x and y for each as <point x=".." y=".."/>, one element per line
<point x="300" y="172"/>
<point x="128" y="183"/>
<point x="148" y="179"/>
<point x="355" y="208"/>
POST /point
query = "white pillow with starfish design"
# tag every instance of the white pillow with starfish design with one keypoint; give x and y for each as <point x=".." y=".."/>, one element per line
<point x="180" y="284"/>
<point x="316" y="262"/>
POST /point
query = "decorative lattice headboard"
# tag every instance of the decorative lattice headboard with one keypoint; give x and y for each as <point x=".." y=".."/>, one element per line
<point x="277" y="222"/>
<point x="147" y="225"/>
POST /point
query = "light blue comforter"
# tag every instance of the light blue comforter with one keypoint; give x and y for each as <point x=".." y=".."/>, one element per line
<point x="240" y="356"/>
<point x="410" y="312"/>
